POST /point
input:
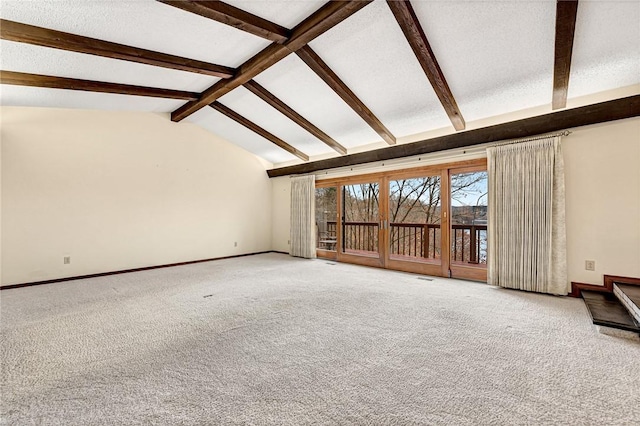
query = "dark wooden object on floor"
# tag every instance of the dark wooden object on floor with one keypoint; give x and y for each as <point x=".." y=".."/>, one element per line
<point x="605" y="307"/>
<point x="608" y="311"/>
<point x="607" y="286"/>
<point x="631" y="291"/>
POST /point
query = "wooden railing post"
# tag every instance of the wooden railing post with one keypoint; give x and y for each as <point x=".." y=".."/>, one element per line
<point x="472" y="243"/>
<point x="425" y="241"/>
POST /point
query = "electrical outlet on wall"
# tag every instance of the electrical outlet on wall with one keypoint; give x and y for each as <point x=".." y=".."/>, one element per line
<point x="590" y="265"/>
<point x="66" y="260"/>
<point x="235" y="244"/>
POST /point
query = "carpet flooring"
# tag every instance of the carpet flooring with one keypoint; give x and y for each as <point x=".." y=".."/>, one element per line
<point x="274" y="340"/>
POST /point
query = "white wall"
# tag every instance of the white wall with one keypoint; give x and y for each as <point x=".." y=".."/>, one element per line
<point x="602" y="179"/>
<point x="602" y="182"/>
<point x="122" y="190"/>
<point x="125" y="190"/>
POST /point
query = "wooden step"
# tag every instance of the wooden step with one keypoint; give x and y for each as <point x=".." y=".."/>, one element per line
<point x="629" y="295"/>
<point x="607" y="310"/>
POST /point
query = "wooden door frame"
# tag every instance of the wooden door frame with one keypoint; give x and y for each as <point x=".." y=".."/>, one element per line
<point x="445" y="229"/>
<point x="418" y="266"/>
<point x="330" y="254"/>
<point x="444" y="267"/>
<point x="458" y="270"/>
<point x="366" y="260"/>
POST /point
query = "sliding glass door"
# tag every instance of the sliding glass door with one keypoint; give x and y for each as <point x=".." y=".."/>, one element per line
<point x="429" y="220"/>
<point x="327" y="221"/>
<point x="361" y="223"/>
<point x="415" y="217"/>
<point x="469" y="217"/>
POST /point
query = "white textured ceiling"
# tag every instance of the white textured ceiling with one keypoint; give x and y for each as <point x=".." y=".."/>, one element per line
<point x="497" y="57"/>
<point x="300" y="88"/>
<point x="255" y="109"/>
<point x="370" y="54"/>
<point x="146" y="24"/>
<point x="287" y="13"/>
<point x="42" y="97"/>
<point x="606" y="52"/>
<point x="61" y="63"/>
<point x="217" y="123"/>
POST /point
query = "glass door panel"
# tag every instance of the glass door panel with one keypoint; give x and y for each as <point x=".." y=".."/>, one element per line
<point x="326" y="218"/>
<point x="361" y="219"/>
<point x="429" y="220"/>
<point x="414" y="218"/>
<point x="469" y="215"/>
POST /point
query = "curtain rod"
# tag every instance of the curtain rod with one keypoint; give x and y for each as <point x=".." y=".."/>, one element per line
<point x="533" y="138"/>
<point x="467" y="150"/>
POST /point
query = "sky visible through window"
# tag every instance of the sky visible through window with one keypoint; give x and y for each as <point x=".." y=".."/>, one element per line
<point x="473" y="195"/>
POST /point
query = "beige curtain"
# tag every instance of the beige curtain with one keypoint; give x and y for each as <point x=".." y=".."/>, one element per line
<point x="527" y="245"/>
<point x="303" y="208"/>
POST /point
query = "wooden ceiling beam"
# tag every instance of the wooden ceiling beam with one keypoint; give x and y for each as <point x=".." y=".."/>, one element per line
<point x="38" y="80"/>
<point x="328" y="76"/>
<point x="603" y="112"/>
<point x="232" y="16"/>
<point x="566" y="12"/>
<point x="259" y="130"/>
<point x="23" y="33"/>
<point x="276" y="103"/>
<point x="325" y="18"/>
<point x="408" y="21"/>
<point x="254" y="66"/>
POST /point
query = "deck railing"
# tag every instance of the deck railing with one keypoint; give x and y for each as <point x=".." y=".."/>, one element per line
<point x="361" y="236"/>
<point x="469" y="243"/>
<point x="415" y="240"/>
<point x="422" y="240"/>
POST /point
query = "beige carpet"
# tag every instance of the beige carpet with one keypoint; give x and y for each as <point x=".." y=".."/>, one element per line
<point x="271" y="339"/>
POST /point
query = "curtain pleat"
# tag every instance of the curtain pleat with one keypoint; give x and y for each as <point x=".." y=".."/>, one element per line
<point x="302" y="241"/>
<point x="526" y="232"/>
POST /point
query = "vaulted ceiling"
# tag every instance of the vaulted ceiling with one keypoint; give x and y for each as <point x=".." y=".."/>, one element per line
<point x="297" y="80"/>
